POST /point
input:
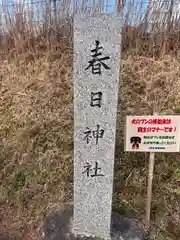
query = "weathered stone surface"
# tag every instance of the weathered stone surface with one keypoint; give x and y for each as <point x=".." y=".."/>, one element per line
<point x="58" y="226"/>
<point x="4" y="236"/>
<point x="93" y="194"/>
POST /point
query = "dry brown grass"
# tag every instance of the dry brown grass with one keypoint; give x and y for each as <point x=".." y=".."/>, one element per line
<point x="23" y="31"/>
<point x="36" y="137"/>
<point x="148" y="86"/>
<point x="37" y="141"/>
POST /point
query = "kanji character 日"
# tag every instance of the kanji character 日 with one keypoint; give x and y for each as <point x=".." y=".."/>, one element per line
<point x="96" y="99"/>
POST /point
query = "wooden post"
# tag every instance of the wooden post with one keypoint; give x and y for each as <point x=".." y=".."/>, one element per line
<point x="149" y="189"/>
<point x="119" y="4"/>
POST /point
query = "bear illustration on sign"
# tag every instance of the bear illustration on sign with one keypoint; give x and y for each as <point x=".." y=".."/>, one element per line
<point x="135" y="142"/>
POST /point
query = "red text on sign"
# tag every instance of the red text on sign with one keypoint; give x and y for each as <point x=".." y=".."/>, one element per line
<point x="151" y="121"/>
<point x="156" y="129"/>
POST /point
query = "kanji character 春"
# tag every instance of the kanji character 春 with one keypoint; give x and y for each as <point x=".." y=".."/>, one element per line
<point x="96" y="62"/>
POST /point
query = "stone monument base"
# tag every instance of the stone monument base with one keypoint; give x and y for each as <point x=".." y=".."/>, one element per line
<point x="58" y="226"/>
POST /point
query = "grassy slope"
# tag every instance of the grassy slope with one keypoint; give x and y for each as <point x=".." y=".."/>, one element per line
<point x="36" y="141"/>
